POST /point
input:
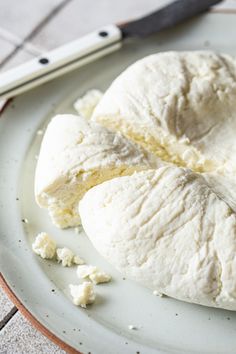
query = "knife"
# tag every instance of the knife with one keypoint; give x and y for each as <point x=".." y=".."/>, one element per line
<point x="95" y="45"/>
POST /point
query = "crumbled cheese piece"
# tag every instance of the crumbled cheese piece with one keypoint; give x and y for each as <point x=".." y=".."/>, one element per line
<point x="67" y="257"/>
<point x="78" y="260"/>
<point x="82" y="294"/>
<point x="84" y="271"/>
<point x="85" y="105"/>
<point x="157" y="293"/>
<point x="93" y="273"/>
<point x="99" y="277"/>
<point x="44" y="246"/>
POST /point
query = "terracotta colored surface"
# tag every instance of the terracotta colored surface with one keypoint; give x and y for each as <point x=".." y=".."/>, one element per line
<point x="33" y="320"/>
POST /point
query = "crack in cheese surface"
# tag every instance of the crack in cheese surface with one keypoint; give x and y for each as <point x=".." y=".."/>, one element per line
<point x="180" y="105"/>
<point x="76" y="155"/>
<point x="168" y="230"/>
<point x="172" y="229"/>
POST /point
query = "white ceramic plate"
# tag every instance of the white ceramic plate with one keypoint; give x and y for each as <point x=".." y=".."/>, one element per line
<point x="164" y="324"/>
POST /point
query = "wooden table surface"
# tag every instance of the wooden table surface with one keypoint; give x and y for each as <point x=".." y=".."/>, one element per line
<point x="27" y="29"/>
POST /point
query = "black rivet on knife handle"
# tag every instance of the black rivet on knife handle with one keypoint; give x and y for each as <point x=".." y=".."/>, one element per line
<point x="43" y="61"/>
<point x="103" y="33"/>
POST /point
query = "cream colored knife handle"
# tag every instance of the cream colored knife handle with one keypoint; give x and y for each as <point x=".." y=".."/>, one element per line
<point x="60" y="61"/>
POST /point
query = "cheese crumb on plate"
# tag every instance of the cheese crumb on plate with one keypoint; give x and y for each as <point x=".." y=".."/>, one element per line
<point x="44" y="246"/>
<point x="99" y="277"/>
<point x="93" y="273"/>
<point x="82" y="294"/>
<point x="67" y="257"/>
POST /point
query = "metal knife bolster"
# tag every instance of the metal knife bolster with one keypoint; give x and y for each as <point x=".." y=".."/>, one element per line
<point x="60" y="61"/>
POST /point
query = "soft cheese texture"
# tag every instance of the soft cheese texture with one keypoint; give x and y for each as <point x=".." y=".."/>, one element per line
<point x="168" y="230"/>
<point x="67" y="258"/>
<point x="86" y="104"/>
<point x="84" y="271"/>
<point x="180" y="105"/>
<point x="82" y="294"/>
<point x="75" y="155"/>
<point x="93" y="273"/>
<point x="171" y="229"/>
<point x="44" y="246"/>
<point x="224" y="187"/>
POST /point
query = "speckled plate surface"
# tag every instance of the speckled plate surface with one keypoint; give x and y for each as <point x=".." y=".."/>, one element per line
<point x="163" y="324"/>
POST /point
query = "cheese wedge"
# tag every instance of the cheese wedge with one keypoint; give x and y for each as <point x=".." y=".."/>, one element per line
<point x="76" y="155"/>
<point x="180" y="105"/>
<point x="168" y="230"/>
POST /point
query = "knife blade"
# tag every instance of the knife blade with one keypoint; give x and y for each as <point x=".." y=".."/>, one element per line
<point x="167" y="17"/>
<point x="95" y="45"/>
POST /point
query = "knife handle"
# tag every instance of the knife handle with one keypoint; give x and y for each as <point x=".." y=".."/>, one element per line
<point x="60" y="61"/>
